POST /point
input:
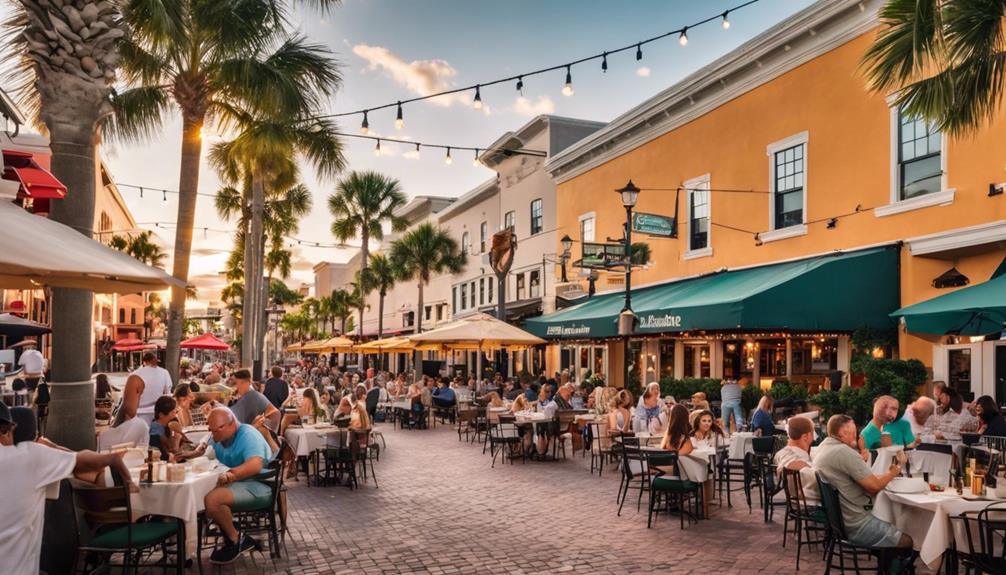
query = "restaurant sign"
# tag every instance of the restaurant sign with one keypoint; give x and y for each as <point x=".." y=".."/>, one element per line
<point x="659" y="321"/>
<point x="654" y="225"/>
<point x="567" y="330"/>
<point x="597" y="255"/>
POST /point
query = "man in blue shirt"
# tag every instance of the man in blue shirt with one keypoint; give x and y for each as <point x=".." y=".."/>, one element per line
<point x="443" y="395"/>
<point x="243" y="449"/>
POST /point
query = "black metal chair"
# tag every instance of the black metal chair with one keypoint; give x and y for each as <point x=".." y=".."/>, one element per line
<point x="601" y="446"/>
<point x="107" y="512"/>
<point x="876" y="559"/>
<point x="807" y="519"/>
<point x="988" y="527"/>
<point x="635" y="473"/>
<point x="503" y="438"/>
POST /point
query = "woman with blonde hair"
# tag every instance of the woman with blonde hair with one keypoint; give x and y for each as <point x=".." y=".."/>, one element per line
<point x="619" y="419"/>
<point x="520" y="403"/>
<point x="761" y="419"/>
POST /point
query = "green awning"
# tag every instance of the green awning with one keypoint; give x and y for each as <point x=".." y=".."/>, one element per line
<point x="979" y="309"/>
<point x="837" y="292"/>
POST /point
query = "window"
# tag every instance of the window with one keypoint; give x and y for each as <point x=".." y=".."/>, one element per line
<point x="428" y="314"/>
<point x="454" y="298"/>
<point x="788" y="186"/>
<point x="465" y="241"/>
<point x="698" y="216"/>
<point x="520" y="286"/>
<point x="472" y="304"/>
<point x="536" y="217"/>
<point x="483" y="236"/>
<point x="132" y="316"/>
<point x="440" y="311"/>
<point x="490" y="282"/>
<point x="464" y="296"/>
<point x="534" y="282"/>
<point x="482" y="291"/>
<point x="920" y="167"/>
<point x="409" y="319"/>
<point x="122" y="315"/>
<point x="510" y="220"/>
<point x="587" y="227"/>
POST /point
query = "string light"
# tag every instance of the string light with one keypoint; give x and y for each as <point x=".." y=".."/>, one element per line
<point x="417" y="151"/>
<point x="448" y="159"/>
<point x="365" y="126"/>
<point x="567" y="90"/>
<point x="682" y="34"/>
<point x="478" y="99"/>
<point x="399" y="121"/>
<point x="604" y="63"/>
<point x="377" y="148"/>
<point x="476" y="162"/>
<point x="164" y="195"/>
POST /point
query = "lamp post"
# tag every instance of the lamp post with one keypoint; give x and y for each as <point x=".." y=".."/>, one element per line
<point x="567" y="245"/>
<point x="629" y="194"/>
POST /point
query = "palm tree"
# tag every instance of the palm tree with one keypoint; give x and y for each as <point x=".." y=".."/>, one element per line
<point x="419" y="255"/>
<point x="944" y="61"/>
<point x="141" y="248"/>
<point x="209" y="61"/>
<point x="64" y="66"/>
<point x="341" y="304"/>
<point x="380" y="276"/>
<point x="263" y="156"/>
<point x="362" y="204"/>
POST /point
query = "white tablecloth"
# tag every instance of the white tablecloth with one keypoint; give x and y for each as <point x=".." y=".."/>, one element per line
<point x="741" y="444"/>
<point x="937" y="465"/>
<point x="183" y="500"/>
<point x="926" y="518"/>
<point x="305" y="440"/>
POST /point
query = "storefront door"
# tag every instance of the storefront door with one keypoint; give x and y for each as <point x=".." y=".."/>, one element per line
<point x="1000" y="371"/>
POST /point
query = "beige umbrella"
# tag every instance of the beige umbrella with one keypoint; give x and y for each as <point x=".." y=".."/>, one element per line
<point x="387" y="345"/>
<point x="337" y="344"/>
<point x="312" y="346"/>
<point x="295" y="346"/>
<point x="36" y="251"/>
<point x="478" y="332"/>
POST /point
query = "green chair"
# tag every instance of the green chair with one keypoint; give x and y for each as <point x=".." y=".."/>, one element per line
<point x="672" y="488"/>
<point x="107" y="511"/>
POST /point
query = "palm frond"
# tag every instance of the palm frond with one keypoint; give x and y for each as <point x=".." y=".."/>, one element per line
<point x="137" y="114"/>
<point x="907" y="45"/>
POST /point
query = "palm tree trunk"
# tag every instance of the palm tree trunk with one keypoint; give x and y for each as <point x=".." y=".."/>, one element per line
<point x="258" y="241"/>
<point x="247" y="313"/>
<point x="71" y="419"/>
<point x="418" y="361"/>
<point x="188" y="185"/>
<point x="364" y="257"/>
<point x="380" y="326"/>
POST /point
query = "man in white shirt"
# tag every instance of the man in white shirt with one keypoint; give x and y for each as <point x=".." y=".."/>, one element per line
<point x="796" y="456"/>
<point x="920" y="415"/>
<point x="157" y="382"/>
<point x="33" y="363"/>
<point x="26" y="469"/>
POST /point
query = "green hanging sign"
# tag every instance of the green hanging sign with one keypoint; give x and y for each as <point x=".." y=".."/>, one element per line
<point x="654" y="225"/>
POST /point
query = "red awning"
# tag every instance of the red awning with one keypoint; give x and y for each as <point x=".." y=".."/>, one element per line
<point x="132" y="344"/>
<point x="36" y="181"/>
<point x="206" y="341"/>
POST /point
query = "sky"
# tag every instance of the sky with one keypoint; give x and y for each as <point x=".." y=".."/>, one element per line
<point x="389" y="50"/>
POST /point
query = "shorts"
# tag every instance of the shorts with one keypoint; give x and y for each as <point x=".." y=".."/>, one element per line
<point x="876" y="533"/>
<point x="250" y="495"/>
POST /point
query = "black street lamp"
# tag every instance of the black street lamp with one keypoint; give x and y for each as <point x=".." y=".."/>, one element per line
<point x="626" y="319"/>
<point x="567" y="245"/>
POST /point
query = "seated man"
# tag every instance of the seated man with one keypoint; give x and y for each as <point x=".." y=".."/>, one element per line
<point x="920" y="416"/>
<point x="796" y="456"/>
<point x="838" y="461"/>
<point x="127" y="427"/>
<point x="241" y="448"/>
<point x="885" y="421"/>
<point x="248" y="403"/>
<point x="443" y="395"/>
<point x="563" y="397"/>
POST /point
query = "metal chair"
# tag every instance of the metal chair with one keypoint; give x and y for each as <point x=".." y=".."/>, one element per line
<point x="673" y="488"/>
<point x="601" y="446"/>
<point x="503" y="438"/>
<point x="634" y="470"/>
<point x="988" y="526"/>
<point x="807" y="519"/>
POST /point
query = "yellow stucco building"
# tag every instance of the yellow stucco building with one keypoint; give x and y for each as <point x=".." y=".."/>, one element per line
<point x="777" y="153"/>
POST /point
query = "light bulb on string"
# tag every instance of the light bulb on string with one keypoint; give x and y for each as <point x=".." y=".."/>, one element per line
<point x="475" y="162"/>
<point x="604" y="62"/>
<point x="520" y="85"/>
<point x="164" y="195"/>
<point x="726" y="20"/>
<point x="477" y="104"/>
<point x="377" y="148"/>
<point x="639" y="52"/>
<point x="448" y="159"/>
<point x="567" y="90"/>
<point x="365" y="126"/>
<point x="417" y="151"/>
<point x="683" y="38"/>
<point x="141" y="192"/>
<point x="399" y="121"/>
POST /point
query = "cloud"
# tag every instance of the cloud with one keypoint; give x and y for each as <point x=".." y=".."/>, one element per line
<point x="423" y="77"/>
<point x="643" y="72"/>
<point x="524" y="107"/>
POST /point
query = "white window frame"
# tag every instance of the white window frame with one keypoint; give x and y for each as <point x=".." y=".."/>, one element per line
<point x="483" y="236"/>
<point x="792" y="231"/>
<point x="466" y="239"/>
<point x="531" y="231"/>
<point x="707" y="251"/>
<point x="593" y="231"/>
<point x="944" y="197"/>
<point x="513" y="222"/>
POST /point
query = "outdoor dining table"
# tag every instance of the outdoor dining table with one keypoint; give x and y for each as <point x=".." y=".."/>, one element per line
<point x="196" y="433"/>
<point x="740" y="444"/>
<point x="304" y="440"/>
<point x="693" y="467"/>
<point x="926" y="518"/>
<point x="182" y="499"/>
<point x="934" y="464"/>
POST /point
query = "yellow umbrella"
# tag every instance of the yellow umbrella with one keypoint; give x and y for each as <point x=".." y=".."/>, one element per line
<point x="337" y="344"/>
<point x="386" y="345"/>
<point x="312" y="346"/>
<point x="295" y="346"/>
<point x="477" y="332"/>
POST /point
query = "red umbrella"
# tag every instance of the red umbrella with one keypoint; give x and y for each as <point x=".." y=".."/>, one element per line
<point x="132" y="344"/>
<point x="206" y="341"/>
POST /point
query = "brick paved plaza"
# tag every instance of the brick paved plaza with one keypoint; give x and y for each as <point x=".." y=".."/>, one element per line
<point x="441" y="509"/>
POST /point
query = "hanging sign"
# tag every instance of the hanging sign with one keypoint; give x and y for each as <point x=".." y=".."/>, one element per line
<point x="654" y="225"/>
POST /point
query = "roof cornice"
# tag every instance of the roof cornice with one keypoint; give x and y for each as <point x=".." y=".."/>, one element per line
<point x="814" y="31"/>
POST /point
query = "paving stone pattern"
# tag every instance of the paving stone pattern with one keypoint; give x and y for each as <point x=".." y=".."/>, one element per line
<point x="440" y="509"/>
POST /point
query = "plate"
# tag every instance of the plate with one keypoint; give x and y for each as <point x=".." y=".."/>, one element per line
<point x="908" y="485"/>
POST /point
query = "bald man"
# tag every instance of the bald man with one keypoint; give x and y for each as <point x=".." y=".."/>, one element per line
<point x="885" y="421"/>
<point x="240" y="447"/>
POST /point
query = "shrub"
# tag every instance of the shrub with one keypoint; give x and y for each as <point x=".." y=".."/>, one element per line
<point x="897" y="378"/>
<point x="783" y="389"/>
<point x="750" y="395"/>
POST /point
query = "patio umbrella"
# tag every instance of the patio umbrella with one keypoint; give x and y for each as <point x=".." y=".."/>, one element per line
<point x="206" y="341"/>
<point x="387" y="345"/>
<point x="132" y="344"/>
<point x="312" y="346"/>
<point x="337" y="344"/>
<point x="14" y="326"/>
<point x="295" y="346"/>
<point x="478" y="332"/>
<point x="37" y="251"/>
